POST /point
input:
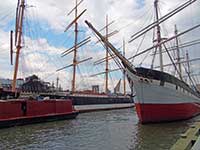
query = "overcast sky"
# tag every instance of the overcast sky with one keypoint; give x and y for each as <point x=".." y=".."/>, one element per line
<point x="45" y="40"/>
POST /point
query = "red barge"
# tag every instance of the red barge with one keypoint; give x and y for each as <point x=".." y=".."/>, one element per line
<point x="24" y="111"/>
<point x="21" y="112"/>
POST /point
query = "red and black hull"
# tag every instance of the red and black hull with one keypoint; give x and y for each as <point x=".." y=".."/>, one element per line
<point x="161" y="97"/>
<point x="37" y="119"/>
<point x="152" y="113"/>
<point x="21" y="112"/>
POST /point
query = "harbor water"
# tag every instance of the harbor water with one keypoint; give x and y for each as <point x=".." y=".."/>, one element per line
<point x="104" y="130"/>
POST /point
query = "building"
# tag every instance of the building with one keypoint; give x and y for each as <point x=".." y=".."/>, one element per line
<point x="7" y="83"/>
<point x="95" y="88"/>
<point x="34" y="85"/>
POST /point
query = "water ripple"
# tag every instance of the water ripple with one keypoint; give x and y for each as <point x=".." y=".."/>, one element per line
<point x="108" y="130"/>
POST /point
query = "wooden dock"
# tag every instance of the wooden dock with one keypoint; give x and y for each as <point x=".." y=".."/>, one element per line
<point x="190" y="140"/>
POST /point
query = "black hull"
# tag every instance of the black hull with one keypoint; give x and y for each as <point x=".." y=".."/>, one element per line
<point x="84" y="100"/>
<point x="34" y="120"/>
<point x="92" y="100"/>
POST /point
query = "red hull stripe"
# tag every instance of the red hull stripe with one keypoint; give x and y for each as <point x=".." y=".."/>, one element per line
<point x="166" y="112"/>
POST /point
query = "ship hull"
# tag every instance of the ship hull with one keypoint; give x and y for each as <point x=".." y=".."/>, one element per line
<point x="92" y="99"/>
<point x="156" y="102"/>
<point x="36" y="119"/>
<point x="152" y="113"/>
<point x="22" y="112"/>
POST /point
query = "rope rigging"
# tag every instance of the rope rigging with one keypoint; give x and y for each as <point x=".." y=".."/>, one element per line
<point x="33" y="36"/>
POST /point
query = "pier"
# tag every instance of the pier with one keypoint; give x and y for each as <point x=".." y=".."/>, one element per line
<point x="93" y="108"/>
<point x="190" y="140"/>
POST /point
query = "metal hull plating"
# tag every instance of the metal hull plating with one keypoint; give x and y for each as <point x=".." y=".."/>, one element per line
<point x="151" y="113"/>
<point x="158" y="103"/>
<point x="21" y="112"/>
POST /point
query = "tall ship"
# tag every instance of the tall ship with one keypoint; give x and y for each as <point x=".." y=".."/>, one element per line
<point x="93" y="95"/>
<point x="28" y="111"/>
<point x="159" y="96"/>
<point x="32" y="86"/>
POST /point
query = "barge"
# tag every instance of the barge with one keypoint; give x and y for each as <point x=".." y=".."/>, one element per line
<point x="21" y="112"/>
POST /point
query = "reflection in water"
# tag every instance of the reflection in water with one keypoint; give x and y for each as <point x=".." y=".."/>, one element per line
<point x="159" y="136"/>
<point x="108" y="130"/>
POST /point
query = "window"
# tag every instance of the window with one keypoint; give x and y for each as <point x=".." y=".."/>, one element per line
<point x="162" y="83"/>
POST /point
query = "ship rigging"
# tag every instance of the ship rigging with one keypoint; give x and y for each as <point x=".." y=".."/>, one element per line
<point x="160" y="96"/>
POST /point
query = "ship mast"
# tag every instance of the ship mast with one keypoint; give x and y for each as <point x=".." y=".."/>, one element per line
<point x="178" y="54"/>
<point x="188" y="64"/>
<point x="124" y="72"/>
<point x="20" y="15"/>
<point x="106" y="70"/>
<point x="75" y="51"/>
<point x="115" y="51"/>
<point x="158" y="34"/>
<point x="107" y="57"/>
<point x="77" y="44"/>
<point x="57" y="84"/>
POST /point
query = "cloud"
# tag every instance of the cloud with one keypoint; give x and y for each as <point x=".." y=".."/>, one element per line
<point x="130" y="16"/>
